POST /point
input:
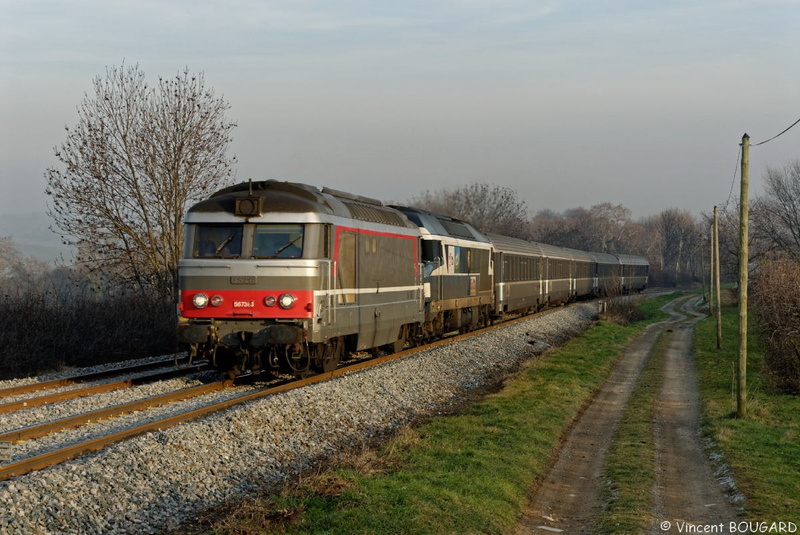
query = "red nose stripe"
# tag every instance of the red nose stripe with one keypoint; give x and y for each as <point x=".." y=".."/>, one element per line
<point x="247" y="304"/>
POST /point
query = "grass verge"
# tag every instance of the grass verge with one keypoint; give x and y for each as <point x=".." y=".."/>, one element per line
<point x="468" y="473"/>
<point x="762" y="451"/>
<point x="630" y="465"/>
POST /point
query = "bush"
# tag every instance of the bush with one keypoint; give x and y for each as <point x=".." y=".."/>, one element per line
<point x="776" y="299"/>
<point x="622" y="310"/>
<point x="68" y="326"/>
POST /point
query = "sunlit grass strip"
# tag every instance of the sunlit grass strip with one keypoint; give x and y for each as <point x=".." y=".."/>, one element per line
<point x="763" y="451"/>
<point x="630" y="466"/>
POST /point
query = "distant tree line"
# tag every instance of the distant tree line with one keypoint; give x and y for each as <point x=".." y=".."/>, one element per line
<point x="675" y="242"/>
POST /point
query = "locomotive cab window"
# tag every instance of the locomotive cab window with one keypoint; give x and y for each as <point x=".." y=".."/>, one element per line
<point x="431" y="251"/>
<point x="278" y="241"/>
<point x="217" y="241"/>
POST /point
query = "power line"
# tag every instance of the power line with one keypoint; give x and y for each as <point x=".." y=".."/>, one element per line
<point x="733" y="182"/>
<point x="778" y="135"/>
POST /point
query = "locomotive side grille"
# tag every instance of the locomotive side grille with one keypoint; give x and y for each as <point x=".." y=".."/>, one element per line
<point x="374" y="214"/>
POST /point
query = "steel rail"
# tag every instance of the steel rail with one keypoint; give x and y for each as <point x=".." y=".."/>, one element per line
<point x="96" y="389"/>
<point x="40" y="430"/>
<point x="56" y="383"/>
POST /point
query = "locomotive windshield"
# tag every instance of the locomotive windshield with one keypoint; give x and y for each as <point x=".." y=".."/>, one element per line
<point x="278" y="241"/>
<point x="218" y="241"/>
<point x="207" y="240"/>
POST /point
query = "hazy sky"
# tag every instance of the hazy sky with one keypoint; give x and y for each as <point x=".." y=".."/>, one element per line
<point x="570" y="103"/>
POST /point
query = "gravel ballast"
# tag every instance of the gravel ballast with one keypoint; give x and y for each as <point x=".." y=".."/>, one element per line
<point x="157" y="481"/>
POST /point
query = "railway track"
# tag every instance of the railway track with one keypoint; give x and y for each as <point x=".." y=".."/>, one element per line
<point x="71" y="451"/>
<point x="99" y="388"/>
<point x="85" y="378"/>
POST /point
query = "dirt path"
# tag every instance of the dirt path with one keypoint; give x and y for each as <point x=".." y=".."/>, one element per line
<point x="569" y="495"/>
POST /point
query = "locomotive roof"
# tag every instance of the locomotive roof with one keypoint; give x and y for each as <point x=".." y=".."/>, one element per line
<point x="442" y="225"/>
<point x="273" y="196"/>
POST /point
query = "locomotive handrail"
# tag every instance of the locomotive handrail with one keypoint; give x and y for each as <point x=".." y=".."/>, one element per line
<point x="421" y="286"/>
<point x="330" y="292"/>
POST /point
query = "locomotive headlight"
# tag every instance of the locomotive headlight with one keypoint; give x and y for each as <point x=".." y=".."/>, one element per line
<point x="200" y="300"/>
<point x="216" y="300"/>
<point x="287" y="301"/>
<point x="270" y="300"/>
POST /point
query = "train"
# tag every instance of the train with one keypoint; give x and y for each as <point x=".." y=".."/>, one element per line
<point x="285" y="277"/>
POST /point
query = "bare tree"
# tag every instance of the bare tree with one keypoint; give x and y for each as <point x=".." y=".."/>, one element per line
<point x="612" y="228"/>
<point x="565" y="230"/>
<point x="604" y="227"/>
<point x="10" y="257"/>
<point x="776" y="214"/>
<point x="682" y="250"/>
<point x="137" y="158"/>
<point x="490" y="208"/>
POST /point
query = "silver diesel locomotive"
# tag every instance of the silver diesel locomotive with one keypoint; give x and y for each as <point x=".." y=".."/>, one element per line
<point x="277" y="275"/>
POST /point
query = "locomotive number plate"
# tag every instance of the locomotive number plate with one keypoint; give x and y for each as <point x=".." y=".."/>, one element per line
<point x="244" y="304"/>
<point x="243" y="279"/>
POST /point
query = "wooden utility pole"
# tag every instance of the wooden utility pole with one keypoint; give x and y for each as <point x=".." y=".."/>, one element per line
<point x="711" y="269"/>
<point x="741" y="375"/>
<point x="716" y="278"/>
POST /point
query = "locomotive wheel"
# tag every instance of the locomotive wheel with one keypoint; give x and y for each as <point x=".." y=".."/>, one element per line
<point x="327" y="356"/>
